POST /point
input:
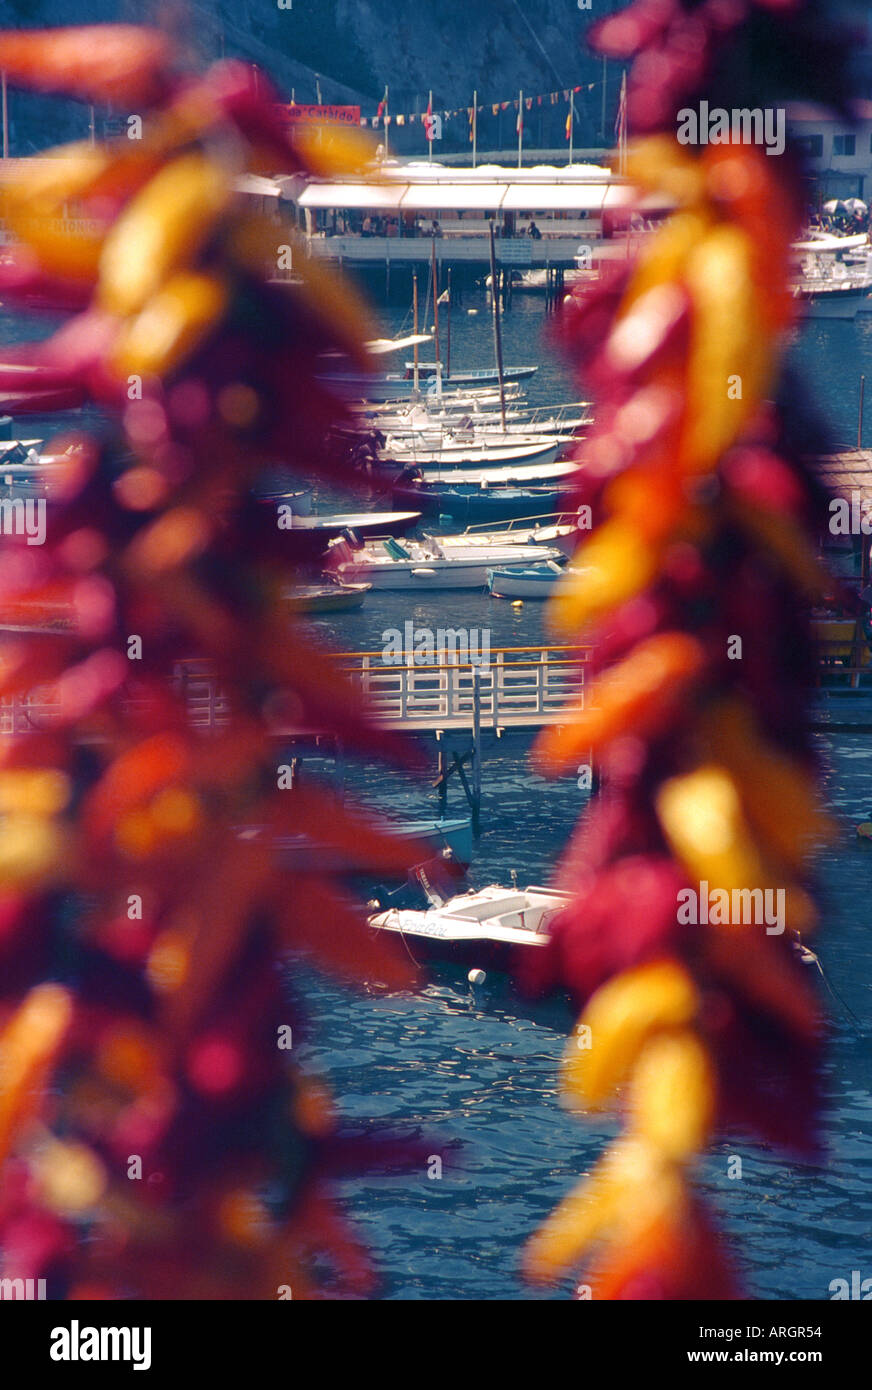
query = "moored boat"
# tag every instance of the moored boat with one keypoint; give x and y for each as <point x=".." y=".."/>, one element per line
<point x="362" y="523"/>
<point x="480" y="479"/>
<point x="533" y="581"/>
<point x="336" y="597"/>
<point x="476" y="505"/>
<point x="425" y="565"/>
<point x="435" y="836"/>
<point x="480" y="451"/>
<point x="491" y="926"/>
<point x="392" y="386"/>
<point x="560" y="529"/>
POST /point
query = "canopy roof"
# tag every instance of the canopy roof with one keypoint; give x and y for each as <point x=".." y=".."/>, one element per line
<point x="486" y="192"/>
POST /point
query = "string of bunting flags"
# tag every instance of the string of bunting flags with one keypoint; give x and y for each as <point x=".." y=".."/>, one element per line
<point x="385" y="118"/>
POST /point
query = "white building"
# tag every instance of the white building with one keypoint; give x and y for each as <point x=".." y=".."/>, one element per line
<point x="839" y="153"/>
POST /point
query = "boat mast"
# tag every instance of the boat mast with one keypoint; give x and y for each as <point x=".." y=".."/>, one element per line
<point x="520" y="126"/>
<point x="433" y="276"/>
<point x="498" y="340"/>
<point x="415" y="317"/>
<point x="448" y="331"/>
<point x="474" y="129"/>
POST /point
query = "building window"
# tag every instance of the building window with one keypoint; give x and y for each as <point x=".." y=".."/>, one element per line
<point x="812" y="145"/>
<point x="844" y="144"/>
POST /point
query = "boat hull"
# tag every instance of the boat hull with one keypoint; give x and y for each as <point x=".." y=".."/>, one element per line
<point x="491" y="504"/>
<point x="338" y="598"/>
<point x="472" y="458"/>
<point x="506" y="583"/>
<point x="432" y="836"/>
<point x="480" y="954"/>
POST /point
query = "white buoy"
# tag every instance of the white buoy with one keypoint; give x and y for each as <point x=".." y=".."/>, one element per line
<point x="472" y="311"/>
<point x="476" y="977"/>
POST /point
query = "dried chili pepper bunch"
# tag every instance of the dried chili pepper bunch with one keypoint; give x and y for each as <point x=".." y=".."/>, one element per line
<point x="156" y="1138"/>
<point x="690" y="869"/>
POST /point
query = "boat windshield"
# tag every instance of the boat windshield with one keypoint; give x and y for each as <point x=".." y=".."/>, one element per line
<point x="476" y="909"/>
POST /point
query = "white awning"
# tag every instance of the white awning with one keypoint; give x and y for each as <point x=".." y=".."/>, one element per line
<point x="454" y="196"/>
<point x="258" y="186"/>
<point x="555" y="197"/>
<point x="352" y="195"/>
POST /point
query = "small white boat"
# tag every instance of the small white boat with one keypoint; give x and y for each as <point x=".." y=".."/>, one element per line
<point x="484" y="927"/>
<point x="532" y="581"/>
<point x="425" y="565"/>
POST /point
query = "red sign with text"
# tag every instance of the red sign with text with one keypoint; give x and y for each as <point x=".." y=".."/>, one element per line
<point x="321" y="115"/>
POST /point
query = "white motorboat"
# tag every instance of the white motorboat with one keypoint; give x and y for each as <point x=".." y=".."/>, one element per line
<point x="558" y="529"/>
<point x="484" y="927"/>
<point x="425" y="565"/>
<point x="834" y="276"/>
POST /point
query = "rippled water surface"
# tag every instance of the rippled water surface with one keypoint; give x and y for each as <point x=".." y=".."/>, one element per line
<point x="479" y="1072"/>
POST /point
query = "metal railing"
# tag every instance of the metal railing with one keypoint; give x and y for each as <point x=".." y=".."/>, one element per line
<point x="515" y="687"/>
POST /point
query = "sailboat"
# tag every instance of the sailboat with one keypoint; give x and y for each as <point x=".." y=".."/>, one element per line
<point x="482" y="450"/>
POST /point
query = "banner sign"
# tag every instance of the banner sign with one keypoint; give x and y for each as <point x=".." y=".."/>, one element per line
<point x="321" y="115"/>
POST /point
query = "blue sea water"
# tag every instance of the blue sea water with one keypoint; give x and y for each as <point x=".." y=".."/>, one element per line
<point x="479" y="1071"/>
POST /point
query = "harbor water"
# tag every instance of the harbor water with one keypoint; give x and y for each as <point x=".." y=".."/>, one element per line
<point x="475" y="1073"/>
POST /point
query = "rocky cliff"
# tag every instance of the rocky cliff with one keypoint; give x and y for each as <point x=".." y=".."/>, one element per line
<point x="351" y="49"/>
